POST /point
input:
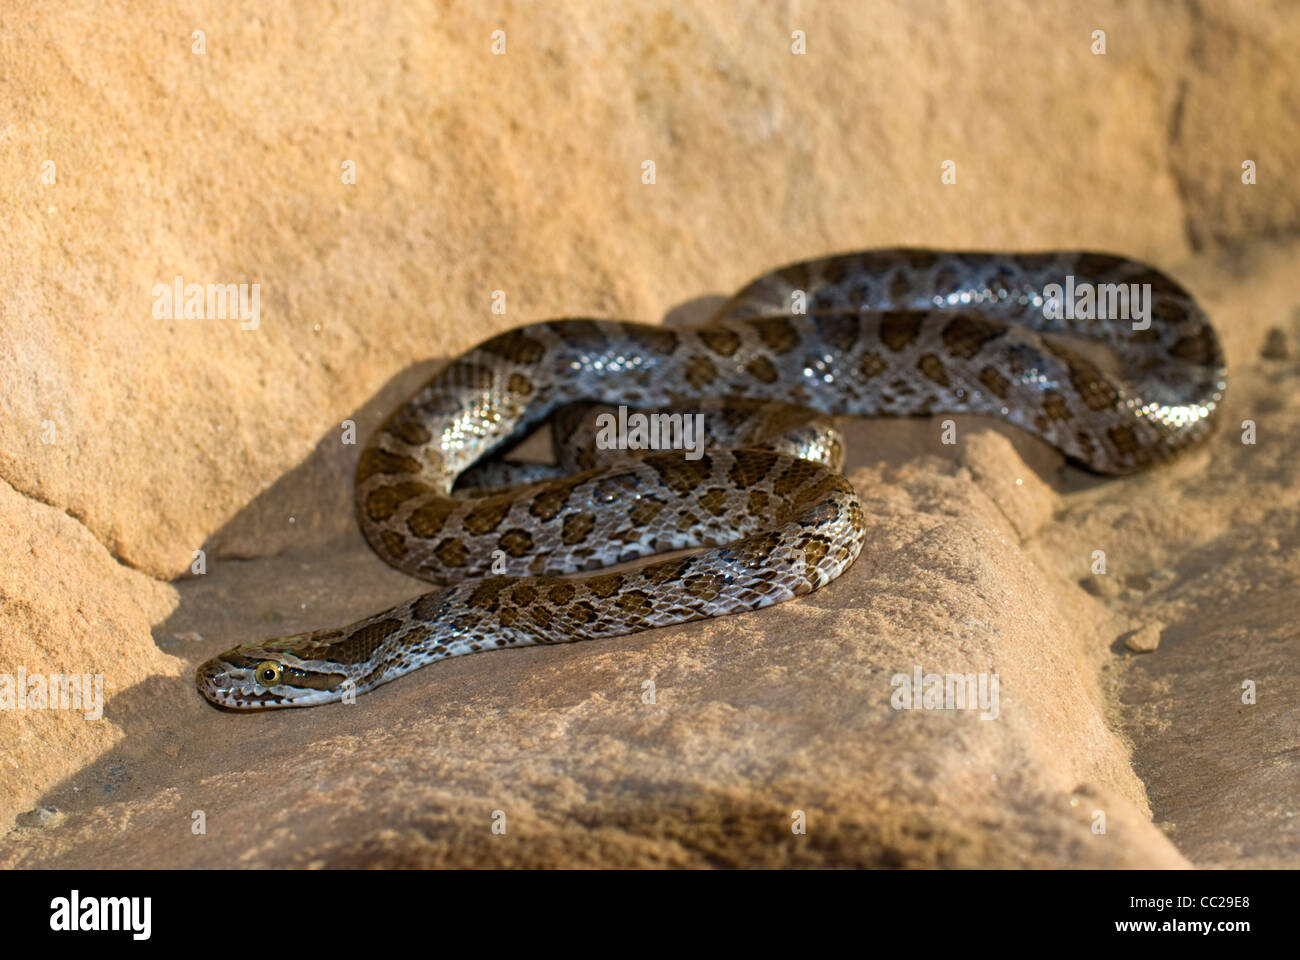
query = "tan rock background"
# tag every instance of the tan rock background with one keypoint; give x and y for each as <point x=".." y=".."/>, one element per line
<point x="128" y="442"/>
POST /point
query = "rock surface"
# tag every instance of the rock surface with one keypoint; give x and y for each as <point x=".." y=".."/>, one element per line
<point x="129" y="441"/>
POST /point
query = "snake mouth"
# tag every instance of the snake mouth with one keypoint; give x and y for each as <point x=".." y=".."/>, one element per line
<point x="214" y="677"/>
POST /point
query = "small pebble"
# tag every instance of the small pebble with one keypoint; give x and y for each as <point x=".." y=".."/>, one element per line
<point x="1276" y="346"/>
<point x="1145" y="640"/>
<point x="40" y="817"/>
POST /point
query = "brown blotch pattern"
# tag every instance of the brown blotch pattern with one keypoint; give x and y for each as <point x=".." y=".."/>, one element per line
<point x="794" y="477"/>
<point x="1096" y="392"/>
<point x="1086" y="444"/>
<point x="654" y="340"/>
<point x="409" y="431"/>
<point x="582" y="612"/>
<point x="574" y="329"/>
<point x="704" y="587"/>
<point x="361" y="643"/>
<point x="932" y="367"/>
<point x="995" y="383"/>
<point x="749" y="467"/>
<point x="375" y="461"/>
<point x="645" y="511"/>
<point x="452" y="553"/>
<point x="899" y="288"/>
<point x="562" y="592"/>
<point x="946" y="281"/>
<point x="667" y="570"/>
<point x="605" y="585"/>
<point x="576" y="527"/>
<point x="761" y="369"/>
<point x="463" y="373"/>
<point x="487" y="595"/>
<point x="681" y="475"/>
<point x="714" y="501"/>
<point x="551" y="500"/>
<point x="426" y="607"/>
<point x="814" y="550"/>
<point x="1124" y="438"/>
<point x="776" y="333"/>
<point x="487" y="516"/>
<point x="517" y="542"/>
<point x="515" y="346"/>
<point x="721" y="341"/>
<point x="430" y="518"/>
<point x="841" y="332"/>
<point x="394" y="543"/>
<point x="899" y="328"/>
<point x="383" y="502"/>
<point x="1054" y="406"/>
<point x="1201" y="348"/>
<point x="636" y="603"/>
<point x="967" y="333"/>
<point x="872" y="365"/>
<point x="700" y="371"/>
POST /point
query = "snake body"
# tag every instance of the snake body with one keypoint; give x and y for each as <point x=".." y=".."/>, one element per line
<point x="895" y="332"/>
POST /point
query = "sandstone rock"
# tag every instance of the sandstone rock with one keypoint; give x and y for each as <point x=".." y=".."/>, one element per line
<point x="1145" y="639"/>
<point x="1024" y="499"/>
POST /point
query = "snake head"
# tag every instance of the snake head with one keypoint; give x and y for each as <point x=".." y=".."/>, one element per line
<point x="268" y="674"/>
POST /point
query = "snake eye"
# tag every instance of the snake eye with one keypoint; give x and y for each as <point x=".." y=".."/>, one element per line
<point x="268" y="673"/>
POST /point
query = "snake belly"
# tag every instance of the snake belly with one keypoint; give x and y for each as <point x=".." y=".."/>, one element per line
<point x="899" y="332"/>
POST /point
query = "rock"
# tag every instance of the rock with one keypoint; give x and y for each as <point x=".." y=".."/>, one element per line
<point x="68" y="609"/>
<point x="1145" y="639"/>
<point x="1276" y="347"/>
<point x="360" y="280"/>
<point x="40" y="817"/>
<point x="1023" y="498"/>
<point x="754" y="719"/>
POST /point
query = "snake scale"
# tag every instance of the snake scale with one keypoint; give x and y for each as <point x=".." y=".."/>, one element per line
<point x="900" y="332"/>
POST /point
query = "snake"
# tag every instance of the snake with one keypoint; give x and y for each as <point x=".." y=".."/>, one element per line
<point x="760" y="511"/>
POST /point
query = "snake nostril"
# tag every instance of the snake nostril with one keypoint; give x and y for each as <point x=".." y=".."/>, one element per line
<point x="213" y="677"/>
